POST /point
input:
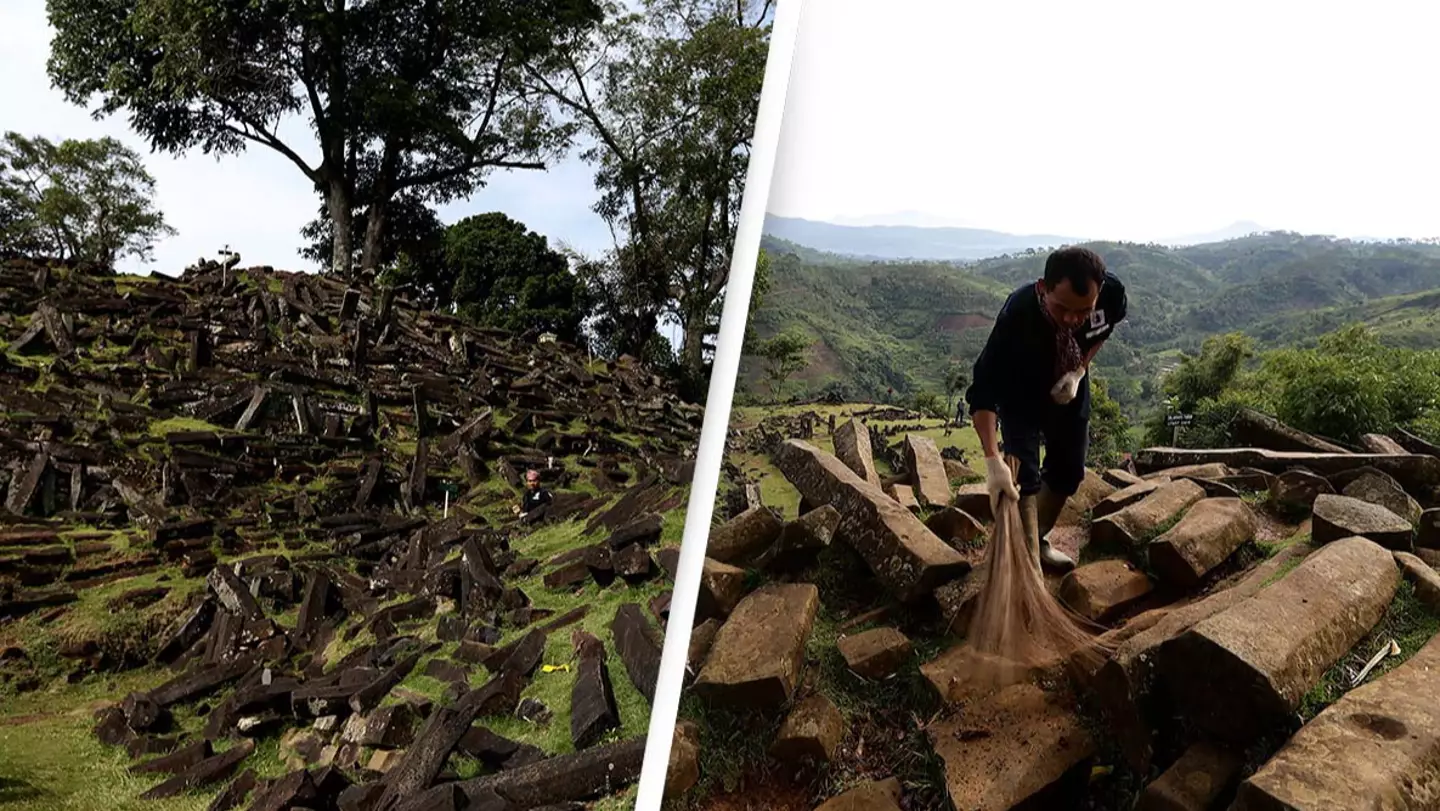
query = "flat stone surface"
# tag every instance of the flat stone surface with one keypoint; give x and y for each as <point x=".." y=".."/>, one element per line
<point x="1205" y="470"/>
<point x="1247" y="668"/>
<point x="744" y="537"/>
<point x="904" y="555"/>
<point x="1012" y="748"/>
<point x="1298" y="489"/>
<point x="1195" y="782"/>
<point x="875" y="654"/>
<point x="1379" y="443"/>
<point x="1098" y="591"/>
<point x="1208" y="533"/>
<point x="852" y="448"/>
<point x="1124" y="497"/>
<point x="1377" y="747"/>
<point x="1126" y="529"/>
<point x="927" y="471"/>
<point x="1120" y="479"/>
<point x="809" y="533"/>
<point x="811" y="732"/>
<point x="759" y="652"/>
<point x="904" y="495"/>
<point x="1381" y="490"/>
<point x="879" y="795"/>
<point x="1424" y="577"/>
<point x="1339" y="517"/>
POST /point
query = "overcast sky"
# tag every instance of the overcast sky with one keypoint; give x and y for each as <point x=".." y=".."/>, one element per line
<point x="255" y="202"/>
<point x="1122" y="120"/>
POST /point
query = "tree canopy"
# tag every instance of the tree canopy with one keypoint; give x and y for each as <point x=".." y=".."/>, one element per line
<point x="506" y="276"/>
<point x="87" y="201"/>
<point x="400" y="97"/>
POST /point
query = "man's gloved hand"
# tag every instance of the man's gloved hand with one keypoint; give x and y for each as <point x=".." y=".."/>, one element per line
<point x="1067" y="386"/>
<point x="999" y="481"/>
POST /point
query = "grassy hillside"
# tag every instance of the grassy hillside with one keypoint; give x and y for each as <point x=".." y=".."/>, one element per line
<point x="874" y="325"/>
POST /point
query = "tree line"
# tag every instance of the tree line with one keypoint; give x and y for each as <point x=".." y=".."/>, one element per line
<point x="411" y="105"/>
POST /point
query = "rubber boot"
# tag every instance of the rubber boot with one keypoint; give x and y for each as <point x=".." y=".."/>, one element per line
<point x="1048" y="505"/>
<point x="1029" y="519"/>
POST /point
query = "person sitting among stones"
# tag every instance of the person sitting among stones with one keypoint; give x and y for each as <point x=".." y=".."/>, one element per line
<point x="1031" y="381"/>
<point x="536" y="500"/>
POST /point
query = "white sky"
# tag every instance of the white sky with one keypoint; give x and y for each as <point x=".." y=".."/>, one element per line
<point x="1122" y="120"/>
<point x="257" y="201"/>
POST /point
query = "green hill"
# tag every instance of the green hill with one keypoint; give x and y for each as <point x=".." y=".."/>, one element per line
<point x="875" y="325"/>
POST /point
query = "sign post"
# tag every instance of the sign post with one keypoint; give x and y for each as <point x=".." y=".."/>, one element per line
<point x="1175" y="422"/>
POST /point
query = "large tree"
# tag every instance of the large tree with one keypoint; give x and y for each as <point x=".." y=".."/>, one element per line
<point x="507" y="276"/>
<point x="667" y="98"/>
<point x="417" y="96"/>
<point x="411" y="253"/>
<point x="89" y="201"/>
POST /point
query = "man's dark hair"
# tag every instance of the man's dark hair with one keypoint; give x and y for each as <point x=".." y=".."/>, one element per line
<point x="1082" y="266"/>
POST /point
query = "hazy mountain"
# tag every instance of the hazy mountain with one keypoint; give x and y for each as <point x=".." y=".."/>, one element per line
<point x="906" y="241"/>
<point x="1234" y="230"/>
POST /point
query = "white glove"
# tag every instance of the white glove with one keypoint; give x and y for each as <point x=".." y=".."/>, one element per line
<point x="1067" y="386"/>
<point x="999" y="481"/>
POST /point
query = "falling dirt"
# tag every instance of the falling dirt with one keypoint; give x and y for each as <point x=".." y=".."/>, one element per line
<point x="1018" y="625"/>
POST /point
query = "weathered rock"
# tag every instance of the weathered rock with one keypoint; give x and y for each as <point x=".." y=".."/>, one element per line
<point x="811" y="732"/>
<point x="1120" y="479"/>
<point x="876" y="795"/>
<point x="1377" y="747"/>
<point x="1415" y="472"/>
<point x="1126" y="684"/>
<point x="1297" y="489"/>
<point x="1101" y="590"/>
<point x="1377" y="488"/>
<point x="1122" y="498"/>
<point x="852" y="448"/>
<point x="1250" y="427"/>
<point x="701" y="638"/>
<point x="1021" y="745"/>
<point x="1093" y="489"/>
<point x="1339" y="517"/>
<point x="1427" y="534"/>
<point x="1203" y="775"/>
<point x="904" y="495"/>
<point x="758" y="653"/>
<point x="956" y="527"/>
<point x="927" y="471"/>
<point x="960" y="472"/>
<point x="904" y="555"/>
<point x="1236" y="673"/>
<point x="592" y="698"/>
<point x="684" y="770"/>
<point x="804" y="537"/>
<point x="1425" y="579"/>
<point x="744" y="537"/>
<point x="637" y="647"/>
<point x="1207" y="470"/>
<point x="1209" y="533"/>
<point x="1379" y="443"/>
<point x="975" y="500"/>
<point x="722" y="586"/>
<point x="875" y="654"/>
<point x="1129" y="527"/>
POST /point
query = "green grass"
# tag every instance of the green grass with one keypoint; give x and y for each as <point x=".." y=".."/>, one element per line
<point x="50" y="761"/>
<point x="1408" y="621"/>
<point x="160" y="428"/>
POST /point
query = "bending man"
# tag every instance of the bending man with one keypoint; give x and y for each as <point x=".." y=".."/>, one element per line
<point x="1031" y="382"/>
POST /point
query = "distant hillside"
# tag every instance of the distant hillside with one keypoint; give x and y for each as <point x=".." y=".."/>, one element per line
<point x="878" y="324"/>
<point x="906" y="241"/>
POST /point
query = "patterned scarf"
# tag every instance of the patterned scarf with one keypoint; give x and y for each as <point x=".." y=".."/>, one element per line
<point x="1067" y="350"/>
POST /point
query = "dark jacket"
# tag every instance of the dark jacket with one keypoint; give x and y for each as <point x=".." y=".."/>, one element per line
<point x="1016" y="369"/>
<point x="533" y="499"/>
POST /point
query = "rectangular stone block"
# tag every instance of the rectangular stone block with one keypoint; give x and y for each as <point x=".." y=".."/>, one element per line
<point x="904" y="555"/>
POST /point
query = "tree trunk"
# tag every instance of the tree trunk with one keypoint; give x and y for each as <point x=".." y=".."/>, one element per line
<point x="338" y="202"/>
<point x="374" y="234"/>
